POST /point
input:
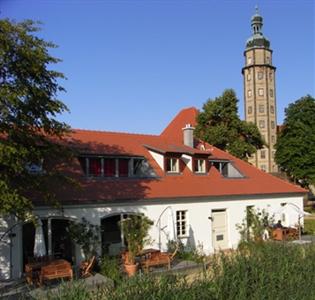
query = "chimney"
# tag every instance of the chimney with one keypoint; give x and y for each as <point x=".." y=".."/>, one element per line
<point x="188" y="135"/>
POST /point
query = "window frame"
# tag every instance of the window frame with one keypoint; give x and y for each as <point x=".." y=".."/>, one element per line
<point x="200" y="168"/>
<point x="171" y="160"/>
<point x="84" y="161"/>
<point x="180" y="222"/>
<point x="262" y="124"/>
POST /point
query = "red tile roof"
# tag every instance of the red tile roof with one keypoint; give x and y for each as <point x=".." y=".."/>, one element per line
<point x="186" y="184"/>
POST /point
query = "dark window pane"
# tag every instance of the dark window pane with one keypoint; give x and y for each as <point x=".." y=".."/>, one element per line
<point x="95" y="166"/>
<point x="82" y="161"/>
<point x="123" y="167"/>
<point x="109" y="167"/>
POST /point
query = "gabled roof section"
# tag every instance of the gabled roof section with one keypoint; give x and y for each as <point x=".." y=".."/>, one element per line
<point x="183" y="185"/>
<point x="174" y="130"/>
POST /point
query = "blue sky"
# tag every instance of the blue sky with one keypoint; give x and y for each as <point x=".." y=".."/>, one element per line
<point x="132" y="65"/>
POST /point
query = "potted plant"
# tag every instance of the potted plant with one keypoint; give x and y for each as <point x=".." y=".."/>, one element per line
<point x="135" y="229"/>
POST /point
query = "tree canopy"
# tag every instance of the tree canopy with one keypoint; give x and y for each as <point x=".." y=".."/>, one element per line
<point x="295" y="147"/>
<point x="220" y="126"/>
<point x="29" y="130"/>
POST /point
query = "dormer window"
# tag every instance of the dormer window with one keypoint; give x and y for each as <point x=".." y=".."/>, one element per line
<point x="95" y="167"/>
<point x="116" y="167"/>
<point x="123" y="167"/>
<point x="200" y="166"/>
<point x="109" y="167"/>
<point x="226" y="169"/>
<point x="172" y="165"/>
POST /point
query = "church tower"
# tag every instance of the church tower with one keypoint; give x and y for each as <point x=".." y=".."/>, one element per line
<point x="260" y="93"/>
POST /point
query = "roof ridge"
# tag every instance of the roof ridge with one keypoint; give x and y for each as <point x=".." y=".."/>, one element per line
<point x="113" y="132"/>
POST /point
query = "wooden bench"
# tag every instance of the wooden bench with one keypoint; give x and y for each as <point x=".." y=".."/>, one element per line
<point x="284" y="234"/>
<point x="155" y="260"/>
<point x="56" y="270"/>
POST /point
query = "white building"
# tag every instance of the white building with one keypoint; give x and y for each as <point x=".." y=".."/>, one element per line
<point x="189" y="189"/>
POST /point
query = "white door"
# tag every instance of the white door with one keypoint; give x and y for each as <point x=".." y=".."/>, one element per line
<point x="219" y="229"/>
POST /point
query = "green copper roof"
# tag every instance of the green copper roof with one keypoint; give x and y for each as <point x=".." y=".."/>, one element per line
<point x="257" y="39"/>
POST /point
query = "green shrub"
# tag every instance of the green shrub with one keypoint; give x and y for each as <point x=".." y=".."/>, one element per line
<point x="309" y="226"/>
<point x="110" y="267"/>
<point x="186" y="252"/>
<point x="70" y="290"/>
<point x="268" y="270"/>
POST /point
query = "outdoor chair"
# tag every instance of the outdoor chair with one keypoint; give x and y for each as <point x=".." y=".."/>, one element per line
<point x="86" y="267"/>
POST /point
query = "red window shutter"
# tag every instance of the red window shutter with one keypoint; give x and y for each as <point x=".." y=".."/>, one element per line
<point x="123" y="167"/>
<point x="109" y="167"/>
<point x="95" y="166"/>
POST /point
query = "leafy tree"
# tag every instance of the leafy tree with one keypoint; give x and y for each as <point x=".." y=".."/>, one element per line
<point x="295" y="147"/>
<point x="86" y="235"/>
<point x="30" y="134"/>
<point x="220" y="126"/>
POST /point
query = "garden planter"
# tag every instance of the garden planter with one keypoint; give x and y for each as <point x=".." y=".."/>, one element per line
<point x="131" y="270"/>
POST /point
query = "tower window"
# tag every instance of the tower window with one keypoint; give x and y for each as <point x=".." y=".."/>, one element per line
<point x="270" y="76"/>
<point x="262" y="154"/>
<point x="249" y="110"/>
<point x="262" y="124"/>
<point x="271" y="92"/>
<point x="260" y="92"/>
<point x="267" y="59"/>
<point x="272" y="109"/>
<point x="272" y="124"/>
<point x="249" y="60"/>
<point x="273" y="140"/>
<point x="249" y="93"/>
<point x="261" y="108"/>
<point x="260" y="75"/>
<point x="248" y="77"/>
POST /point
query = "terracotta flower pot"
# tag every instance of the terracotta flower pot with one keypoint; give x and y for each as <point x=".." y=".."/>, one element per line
<point x="131" y="270"/>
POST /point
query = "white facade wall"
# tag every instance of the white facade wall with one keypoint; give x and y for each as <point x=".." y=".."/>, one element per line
<point x="199" y="224"/>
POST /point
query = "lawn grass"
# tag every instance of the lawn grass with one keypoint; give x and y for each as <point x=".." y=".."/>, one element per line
<point x="270" y="270"/>
<point x="309" y="226"/>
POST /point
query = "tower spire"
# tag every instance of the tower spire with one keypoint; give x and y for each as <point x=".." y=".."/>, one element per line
<point x="257" y="22"/>
<point x="257" y="38"/>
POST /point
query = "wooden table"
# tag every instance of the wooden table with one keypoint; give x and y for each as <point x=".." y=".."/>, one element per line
<point x="56" y="269"/>
<point x="37" y="272"/>
<point x="32" y="272"/>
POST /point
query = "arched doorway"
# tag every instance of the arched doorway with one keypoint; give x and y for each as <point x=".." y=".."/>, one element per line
<point x="61" y="244"/>
<point x="56" y="236"/>
<point x="112" y="236"/>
